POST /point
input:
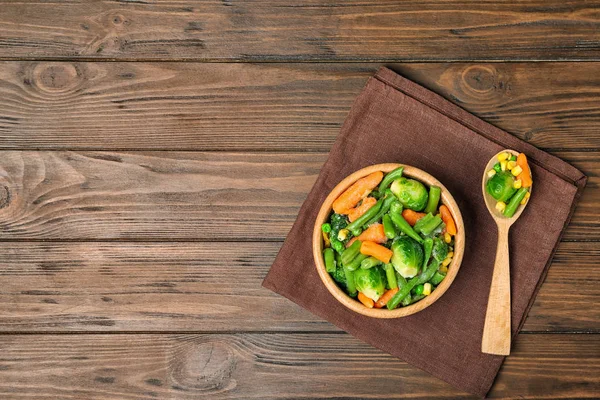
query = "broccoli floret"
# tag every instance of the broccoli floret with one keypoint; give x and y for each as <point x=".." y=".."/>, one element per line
<point x="339" y="276"/>
<point x="338" y="222"/>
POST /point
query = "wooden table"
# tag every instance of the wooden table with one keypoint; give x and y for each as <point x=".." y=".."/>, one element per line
<point x="154" y="155"/>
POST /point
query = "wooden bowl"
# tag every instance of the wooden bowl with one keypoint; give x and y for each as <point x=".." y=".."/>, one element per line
<point x="355" y="305"/>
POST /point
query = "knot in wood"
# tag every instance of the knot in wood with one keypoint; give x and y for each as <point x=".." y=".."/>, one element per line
<point x="481" y="78"/>
<point x="205" y="367"/>
<point x="56" y="78"/>
<point x="4" y="196"/>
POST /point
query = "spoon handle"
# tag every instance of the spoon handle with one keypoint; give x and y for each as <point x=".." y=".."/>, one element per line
<point x="496" y="331"/>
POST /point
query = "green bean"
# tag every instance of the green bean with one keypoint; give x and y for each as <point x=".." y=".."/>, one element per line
<point x="416" y="298"/>
<point x="428" y="248"/>
<point x="404" y="226"/>
<point x="433" y="200"/>
<point x="338" y="246"/>
<point x="351" y="252"/>
<point x="388" y="199"/>
<point x="407" y="300"/>
<point x="388" y="227"/>
<point x="326" y="227"/>
<point x="350" y="284"/>
<point x="389" y="178"/>
<point x="369" y="262"/>
<point x="514" y="202"/>
<point x="427" y="274"/>
<point x="401" y="283"/>
<point x="329" y="258"/>
<point x="427" y="224"/>
<point x="390" y="274"/>
<point x="354" y="264"/>
<point x="396" y="207"/>
<point x="438" y="277"/>
<point x="356" y="226"/>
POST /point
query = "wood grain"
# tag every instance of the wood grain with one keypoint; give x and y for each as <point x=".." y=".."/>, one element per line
<point x="213" y="287"/>
<point x="159" y="196"/>
<point x="280" y="107"/>
<point x="310" y="30"/>
<point x="287" y="366"/>
<point x="496" y="330"/>
<point x="182" y="195"/>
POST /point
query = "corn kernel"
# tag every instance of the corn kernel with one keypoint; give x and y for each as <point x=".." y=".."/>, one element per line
<point x="503" y="165"/>
<point x="447" y="261"/>
<point x="491" y="173"/>
<point x="326" y="239"/>
<point x="503" y="156"/>
<point x="450" y="254"/>
<point x="343" y="234"/>
<point x="511" y="164"/>
<point x="517" y="170"/>
<point x="447" y="237"/>
<point x="525" y="199"/>
<point x="500" y="206"/>
<point x="527" y="195"/>
<point x="427" y="289"/>
<point x="443" y="269"/>
<point x="517" y="184"/>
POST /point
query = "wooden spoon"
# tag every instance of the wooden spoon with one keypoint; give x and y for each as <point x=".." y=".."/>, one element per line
<point x="496" y="331"/>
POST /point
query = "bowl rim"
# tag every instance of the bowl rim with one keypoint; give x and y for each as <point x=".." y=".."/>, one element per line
<point x="325" y="210"/>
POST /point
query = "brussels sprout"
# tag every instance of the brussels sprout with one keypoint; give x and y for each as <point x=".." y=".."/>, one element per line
<point x="412" y="194"/>
<point x="370" y="282"/>
<point x="500" y="186"/>
<point x="407" y="256"/>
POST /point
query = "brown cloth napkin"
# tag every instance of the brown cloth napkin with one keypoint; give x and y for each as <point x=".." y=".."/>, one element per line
<point x="396" y="120"/>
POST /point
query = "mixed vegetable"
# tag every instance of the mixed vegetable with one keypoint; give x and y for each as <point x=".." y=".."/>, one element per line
<point x="389" y="240"/>
<point x="509" y="183"/>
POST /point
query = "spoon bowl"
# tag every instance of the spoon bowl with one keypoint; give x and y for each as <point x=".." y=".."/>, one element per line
<point x="496" y="331"/>
<point x="490" y="202"/>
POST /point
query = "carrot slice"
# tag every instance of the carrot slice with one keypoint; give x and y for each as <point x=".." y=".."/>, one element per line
<point x="524" y="176"/>
<point x="368" y="302"/>
<point x="373" y="233"/>
<point x="387" y="296"/>
<point x="412" y="216"/>
<point x="373" y="249"/>
<point x="448" y="220"/>
<point x="360" y="210"/>
<point x="355" y="193"/>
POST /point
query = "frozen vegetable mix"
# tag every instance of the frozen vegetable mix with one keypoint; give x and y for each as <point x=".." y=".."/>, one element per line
<point x="389" y="239"/>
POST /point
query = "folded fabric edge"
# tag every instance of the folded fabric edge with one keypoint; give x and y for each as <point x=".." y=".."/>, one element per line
<point x="435" y="101"/>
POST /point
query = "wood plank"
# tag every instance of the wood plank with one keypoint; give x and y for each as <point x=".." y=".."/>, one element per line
<point x="208" y="287"/>
<point x="290" y="107"/>
<point x="159" y="195"/>
<point x="183" y="195"/>
<point x="288" y="366"/>
<point x="311" y="30"/>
